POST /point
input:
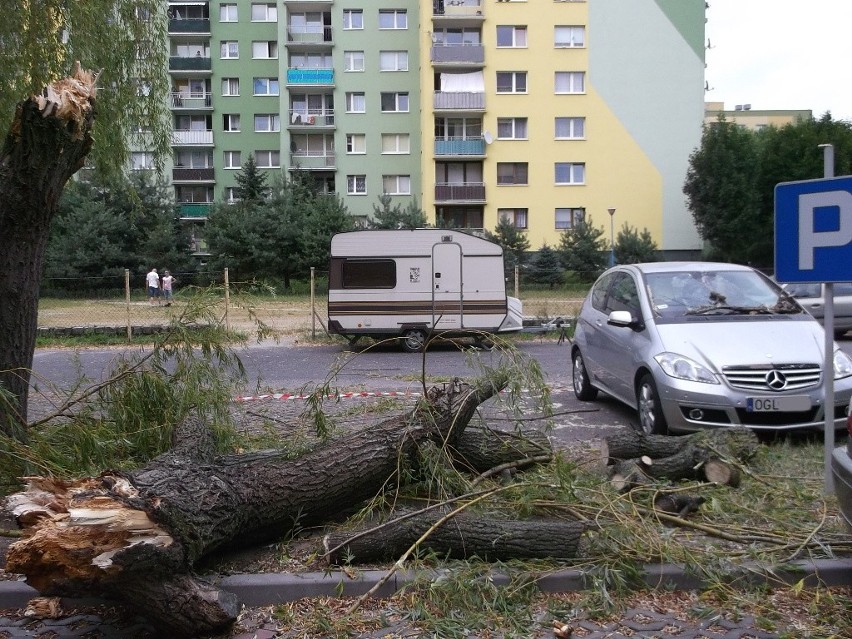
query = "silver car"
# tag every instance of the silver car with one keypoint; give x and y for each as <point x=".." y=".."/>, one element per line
<point x="812" y="299"/>
<point x="694" y="345"/>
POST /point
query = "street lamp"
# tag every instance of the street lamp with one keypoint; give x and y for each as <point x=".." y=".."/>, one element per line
<point x="611" y="236"/>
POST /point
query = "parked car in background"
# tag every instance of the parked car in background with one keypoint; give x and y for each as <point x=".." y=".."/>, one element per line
<point x="694" y="345"/>
<point x="841" y="470"/>
<point x="812" y="299"/>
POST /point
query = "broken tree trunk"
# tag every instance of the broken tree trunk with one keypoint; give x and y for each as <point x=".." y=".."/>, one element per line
<point x="481" y="449"/>
<point x="136" y="536"/>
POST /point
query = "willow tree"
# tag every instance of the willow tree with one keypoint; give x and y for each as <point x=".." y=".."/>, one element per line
<point x="83" y="83"/>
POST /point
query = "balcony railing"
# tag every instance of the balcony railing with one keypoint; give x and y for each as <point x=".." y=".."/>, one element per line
<point x="460" y="146"/>
<point x="457" y="8"/>
<point x="306" y="160"/>
<point x="451" y="101"/>
<point x="311" y="118"/>
<point x="460" y="192"/>
<point x="194" y="210"/>
<point x="192" y="25"/>
<point x="458" y="54"/>
<point x="182" y="174"/>
<point x="310" y="76"/>
<point x="192" y="138"/>
<point x="187" y="63"/>
<point x="309" y="35"/>
<point x="191" y="100"/>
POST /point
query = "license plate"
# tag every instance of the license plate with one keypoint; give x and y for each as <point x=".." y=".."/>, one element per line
<point x="786" y="404"/>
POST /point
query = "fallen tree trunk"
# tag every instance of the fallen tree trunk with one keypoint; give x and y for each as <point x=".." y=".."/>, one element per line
<point x="481" y="449"/>
<point x="628" y="443"/>
<point x="136" y="536"/>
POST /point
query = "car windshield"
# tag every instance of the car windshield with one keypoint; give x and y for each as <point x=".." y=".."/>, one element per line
<point x="691" y="293"/>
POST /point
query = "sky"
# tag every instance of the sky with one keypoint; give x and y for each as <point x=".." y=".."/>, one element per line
<point x="781" y="54"/>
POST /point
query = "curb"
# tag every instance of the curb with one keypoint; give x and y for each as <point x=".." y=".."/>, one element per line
<point x="273" y="588"/>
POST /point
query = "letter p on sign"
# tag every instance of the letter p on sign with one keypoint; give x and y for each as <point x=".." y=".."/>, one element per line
<point x="813" y="230"/>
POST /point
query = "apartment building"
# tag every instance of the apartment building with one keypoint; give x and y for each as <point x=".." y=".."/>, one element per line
<point x="754" y="119"/>
<point x="542" y="112"/>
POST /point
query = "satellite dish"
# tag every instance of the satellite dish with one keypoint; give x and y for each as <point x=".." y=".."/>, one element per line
<point x="487" y="137"/>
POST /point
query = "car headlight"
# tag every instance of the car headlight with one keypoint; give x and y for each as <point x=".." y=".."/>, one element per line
<point x="842" y="364"/>
<point x="681" y="367"/>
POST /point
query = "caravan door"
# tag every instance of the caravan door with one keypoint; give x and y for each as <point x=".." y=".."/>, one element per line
<point x="447" y="308"/>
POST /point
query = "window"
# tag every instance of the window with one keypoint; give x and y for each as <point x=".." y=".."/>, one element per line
<point x="512" y="173"/>
<point x="232" y="160"/>
<point x="396" y="184"/>
<point x="395" y="102"/>
<point x="230" y="50"/>
<point x="393" y="19"/>
<point x="515" y="217"/>
<point x="570" y="82"/>
<point x="353" y="19"/>
<point x="356" y="143"/>
<point x="356" y="184"/>
<point x="569" y="218"/>
<point x="230" y="86"/>
<point x="511" y="82"/>
<point x="266" y="86"/>
<point x="570" y="173"/>
<point x="356" y="103"/>
<point x="264" y="50"/>
<point x="267" y="159"/>
<point x="511" y="128"/>
<point x="509" y="36"/>
<point x="399" y="143"/>
<point x="231" y="194"/>
<point x="264" y="12"/>
<point x="267" y="123"/>
<point x="569" y="37"/>
<point x="393" y="60"/>
<point x="456" y="36"/>
<point x="311" y="61"/>
<point x="570" y="128"/>
<point x="353" y="60"/>
<point x="369" y="273"/>
<point x="228" y="13"/>
<point x="140" y="160"/>
<point x="231" y="122"/>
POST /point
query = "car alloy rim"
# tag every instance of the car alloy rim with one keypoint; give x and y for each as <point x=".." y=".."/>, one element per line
<point x="578" y="374"/>
<point x="646" y="408"/>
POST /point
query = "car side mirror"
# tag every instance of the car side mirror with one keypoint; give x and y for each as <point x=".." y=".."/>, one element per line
<point x="622" y="318"/>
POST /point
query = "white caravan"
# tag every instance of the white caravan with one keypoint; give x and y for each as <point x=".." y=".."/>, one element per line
<point x="412" y="283"/>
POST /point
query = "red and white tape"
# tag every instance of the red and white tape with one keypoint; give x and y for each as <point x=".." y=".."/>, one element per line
<point x="347" y="395"/>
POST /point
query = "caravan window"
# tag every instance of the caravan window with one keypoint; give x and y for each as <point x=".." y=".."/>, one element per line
<point x="369" y="274"/>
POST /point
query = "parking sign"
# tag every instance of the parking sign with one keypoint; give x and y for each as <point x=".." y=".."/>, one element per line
<point x="813" y="230"/>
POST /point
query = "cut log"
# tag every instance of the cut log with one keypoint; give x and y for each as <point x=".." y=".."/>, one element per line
<point x="465" y="535"/>
<point x="737" y="443"/>
<point x="719" y="471"/>
<point x="137" y="535"/>
<point x="678" y="504"/>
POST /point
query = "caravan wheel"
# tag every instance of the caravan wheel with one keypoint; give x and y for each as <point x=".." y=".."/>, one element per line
<point x="413" y="340"/>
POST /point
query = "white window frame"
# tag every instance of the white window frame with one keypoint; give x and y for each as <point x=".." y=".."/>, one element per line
<point x="230" y="87"/>
<point x="229" y="50"/>
<point x="267" y="123"/>
<point x="518" y="36"/>
<point x="570" y="217"/>
<point x="393" y="60"/>
<point x="356" y="143"/>
<point x="515" y="75"/>
<point x="270" y="11"/>
<point x="272" y="85"/>
<point x="231" y="194"/>
<point x="519" y="217"/>
<point x="352" y="97"/>
<point x="573" y="37"/>
<point x="575" y="82"/>
<point x="399" y="18"/>
<point x="399" y="97"/>
<point x="268" y="159"/>
<point x="399" y="142"/>
<point x="574" y="127"/>
<point x="228" y="13"/>
<point x="356" y="184"/>
<point x="141" y="160"/>
<point x="231" y="122"/>
<point x="264" y="50"/>
<point x="353" y="19"/>
<point x="232" y="160"/>
<point x="396" y="184"/>
<point x="576" y="173"/>
<point x="517" y="128"/>
<point x="353" y="61"/>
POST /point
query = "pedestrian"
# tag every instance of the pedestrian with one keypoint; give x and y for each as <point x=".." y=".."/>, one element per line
<point x="168" y="281"/>
<point x="153" y="280"/>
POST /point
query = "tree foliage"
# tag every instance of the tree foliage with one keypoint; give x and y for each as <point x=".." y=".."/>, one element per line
<point x="251" y="182"/>
<point x="386" y="216"/>
<point x="546" y="267"/>
<point x="583" y="250"/>
<point x="633" y="247"/>
<point x="515" y="245"/>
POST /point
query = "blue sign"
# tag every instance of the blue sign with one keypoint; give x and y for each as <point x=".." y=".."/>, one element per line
<point x="813" y="230"/>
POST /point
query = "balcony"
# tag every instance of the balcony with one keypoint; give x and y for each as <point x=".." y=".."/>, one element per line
<point x="470" y="146"/>
<point x="311" y="119"/>
<point x="310" y="77"/>
<point x="309" y="161"/>
<point x="457" y="12"/>
<point x="458" y="54"/>
<point x="182" y="63"/>
<point x="193" y="25"/>
<point x="190" y="101"/>
<point x="194" y="210"/>
<point x="182" y="137"/>
<point x="309" y="35"/>
<point x="462" y="101"/>
<point x="182" y="174"/>
<point x="460" y="192"/>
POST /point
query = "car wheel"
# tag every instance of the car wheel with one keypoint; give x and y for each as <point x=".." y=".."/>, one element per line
<point x="583" y="389"/>
<point x="413" y="340"/>
<point x="651" y="419"/>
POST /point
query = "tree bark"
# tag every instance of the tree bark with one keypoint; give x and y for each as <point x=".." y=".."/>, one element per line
<point x="481" y="449"/>
<point x="48" y="142"/>
<point x="737" y="443"/>
<point x="137" y="535"/>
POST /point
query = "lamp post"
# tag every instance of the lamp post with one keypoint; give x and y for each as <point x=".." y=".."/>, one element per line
<point x="611" y="236"/>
